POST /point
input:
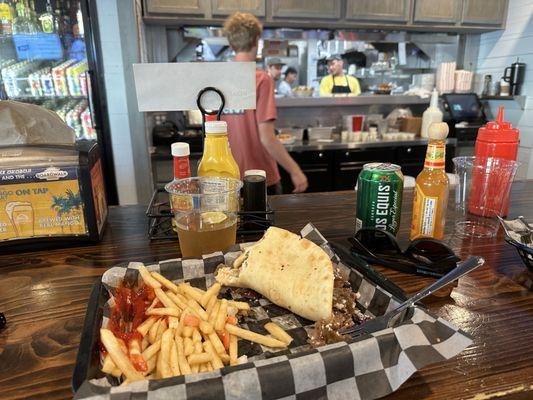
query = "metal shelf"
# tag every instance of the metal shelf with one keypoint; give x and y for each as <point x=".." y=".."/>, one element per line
<point x="520" y="100"/>
<point x="43" y="98"/>
<point x="365" y="99"/>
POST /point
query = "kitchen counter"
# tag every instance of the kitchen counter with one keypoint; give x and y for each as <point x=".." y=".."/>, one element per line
<point x="44" y="296"/>
<point x="338" y="145"/>
<point x="362" y="100"/>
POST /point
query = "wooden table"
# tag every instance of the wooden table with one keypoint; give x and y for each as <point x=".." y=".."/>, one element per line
<point x="44" y="296"/>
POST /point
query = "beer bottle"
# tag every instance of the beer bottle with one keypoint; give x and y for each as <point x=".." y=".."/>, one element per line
<point x="431" y="190"/>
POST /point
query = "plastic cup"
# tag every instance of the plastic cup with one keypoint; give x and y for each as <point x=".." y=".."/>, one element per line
<point x="205" y="210"/>
<point x="482" y="194"/>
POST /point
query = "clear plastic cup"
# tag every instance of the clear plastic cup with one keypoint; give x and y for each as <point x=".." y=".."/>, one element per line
<point x="205" y="210"/>
<point x="482" y="194"/>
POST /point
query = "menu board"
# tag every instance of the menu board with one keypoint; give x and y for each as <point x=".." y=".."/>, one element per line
<point x="36" y="202"/>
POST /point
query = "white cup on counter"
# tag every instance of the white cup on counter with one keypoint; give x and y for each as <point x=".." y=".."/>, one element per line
<point x="345" y="136"/>
<point x="355" y="136"/>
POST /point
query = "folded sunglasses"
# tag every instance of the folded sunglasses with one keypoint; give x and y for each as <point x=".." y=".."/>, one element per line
<point x="425" y="256"/>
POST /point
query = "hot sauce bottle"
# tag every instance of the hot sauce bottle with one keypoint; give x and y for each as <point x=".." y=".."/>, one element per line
<point x="431" y="190"/>
<point x="182" y="169"/>
<point x="180" y="154"/>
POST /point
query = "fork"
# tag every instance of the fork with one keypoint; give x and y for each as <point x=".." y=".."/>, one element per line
<point x="396" y="315"/>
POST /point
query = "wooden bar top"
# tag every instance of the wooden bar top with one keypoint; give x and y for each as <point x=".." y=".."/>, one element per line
<point x="44" y="296"/>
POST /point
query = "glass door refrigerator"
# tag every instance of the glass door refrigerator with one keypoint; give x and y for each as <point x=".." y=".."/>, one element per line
<point x="50" y="56"/>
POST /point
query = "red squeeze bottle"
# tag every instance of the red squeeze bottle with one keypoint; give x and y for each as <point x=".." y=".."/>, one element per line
<point x="497" y="139"/>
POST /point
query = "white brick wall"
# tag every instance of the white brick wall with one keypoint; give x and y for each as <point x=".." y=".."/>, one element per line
<point x="500" y="49"/>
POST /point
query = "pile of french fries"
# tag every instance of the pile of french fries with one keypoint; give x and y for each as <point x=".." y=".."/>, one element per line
<point x="187" y="330"/>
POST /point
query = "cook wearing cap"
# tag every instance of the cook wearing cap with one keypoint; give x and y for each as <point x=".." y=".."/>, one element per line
<point x="274" y="66"/>
<point x="337" y="82"/>
<point x="253" y="142"/>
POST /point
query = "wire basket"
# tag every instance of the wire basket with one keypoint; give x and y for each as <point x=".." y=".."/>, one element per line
<point x="160" y="219"/>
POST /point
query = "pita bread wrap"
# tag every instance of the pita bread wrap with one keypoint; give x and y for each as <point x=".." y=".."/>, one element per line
<point x="291" y="272"/>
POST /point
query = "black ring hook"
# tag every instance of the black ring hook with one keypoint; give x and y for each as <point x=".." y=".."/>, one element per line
<point x="218" y="112"/>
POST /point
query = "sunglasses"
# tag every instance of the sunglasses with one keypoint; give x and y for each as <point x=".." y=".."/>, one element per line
<point x="425" y="256"/>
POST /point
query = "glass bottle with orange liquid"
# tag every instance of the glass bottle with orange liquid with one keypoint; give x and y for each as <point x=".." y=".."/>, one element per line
<point x="431" y="190"/>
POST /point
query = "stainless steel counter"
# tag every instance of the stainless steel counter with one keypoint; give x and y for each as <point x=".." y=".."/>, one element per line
<point x="336" y="101"/>
<point x="338" y="145"/>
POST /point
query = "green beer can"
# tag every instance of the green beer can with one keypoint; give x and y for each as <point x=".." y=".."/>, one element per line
<point x="379" y="197"/>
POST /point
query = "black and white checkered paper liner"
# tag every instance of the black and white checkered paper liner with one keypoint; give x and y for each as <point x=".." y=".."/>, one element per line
<point x="370" y="367"/>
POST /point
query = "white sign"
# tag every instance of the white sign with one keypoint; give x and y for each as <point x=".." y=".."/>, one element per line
<point x="175" y="86"/>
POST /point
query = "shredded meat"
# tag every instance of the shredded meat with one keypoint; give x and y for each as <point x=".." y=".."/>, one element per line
<point x="345" y="313"/>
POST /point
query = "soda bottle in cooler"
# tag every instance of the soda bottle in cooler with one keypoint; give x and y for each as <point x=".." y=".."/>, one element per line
<point x="83" y="83"/>
<point x="71" y="84"/>
<point x="60" y="80"/>
<point x="87" y="124"/>
<point x="35" y="84"/>
<point x="6" y="18"/>
<point x="47" y="82"/>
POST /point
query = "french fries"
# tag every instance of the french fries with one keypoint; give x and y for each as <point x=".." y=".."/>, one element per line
<point x="146" y="325"/>
<point x="174" y="362"/>
<point x="151" y="350"/>
<point x="166" y="348"/>
<point x="162" y="296"/>
<point x="165" y="282"/>
<point x="211" y="292"/>
<point x="233" y="349"/>
<point x="221" y="315"/>
<point x="254" y="337"/>
<point x="120" y="359"/>
<point x="147" y="278"/>
<point x="199" y="358"/>
<point x="173" y="312"/>
<point x="110" y="368"/>
<point x="278" y="333"/>
<point x="186" y="330"/>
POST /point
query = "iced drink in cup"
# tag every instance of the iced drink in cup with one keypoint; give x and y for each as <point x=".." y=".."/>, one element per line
<point x="205" y="210"/>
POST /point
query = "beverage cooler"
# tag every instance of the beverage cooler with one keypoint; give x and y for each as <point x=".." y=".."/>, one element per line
<point x="49" y="56"/>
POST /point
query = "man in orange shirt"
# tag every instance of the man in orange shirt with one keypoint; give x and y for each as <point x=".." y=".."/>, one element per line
<point x="251" y="133"/>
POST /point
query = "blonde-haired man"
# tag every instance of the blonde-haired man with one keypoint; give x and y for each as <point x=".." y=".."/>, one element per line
<point x="251" y="132"/>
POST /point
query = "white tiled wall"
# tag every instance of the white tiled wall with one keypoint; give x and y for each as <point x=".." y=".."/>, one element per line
<point x="500" y="49"/>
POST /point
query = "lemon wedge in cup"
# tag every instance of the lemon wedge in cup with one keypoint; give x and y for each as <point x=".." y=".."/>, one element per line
<point x="213" y="217"/>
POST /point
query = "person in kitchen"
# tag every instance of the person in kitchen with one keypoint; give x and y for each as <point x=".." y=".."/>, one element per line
<point x="284" y="87"/>
<point x="251" y="132"/>
<point x="274" y="67"/>
<point x="337" y="82"/>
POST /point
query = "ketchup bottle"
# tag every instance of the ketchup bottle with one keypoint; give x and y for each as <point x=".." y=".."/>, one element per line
<point x="497" y="139"/>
